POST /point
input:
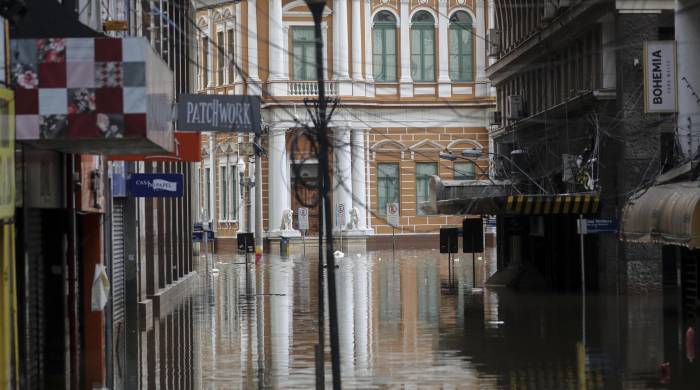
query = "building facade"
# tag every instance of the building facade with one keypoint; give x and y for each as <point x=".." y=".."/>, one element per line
<point x="411" y="83"/>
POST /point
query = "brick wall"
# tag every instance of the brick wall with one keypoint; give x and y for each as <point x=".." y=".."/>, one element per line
<point x="393" y="145"/>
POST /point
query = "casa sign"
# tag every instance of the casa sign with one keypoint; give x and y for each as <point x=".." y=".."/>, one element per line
<point x="660" y="81"/>
<point x="226" y="113"/>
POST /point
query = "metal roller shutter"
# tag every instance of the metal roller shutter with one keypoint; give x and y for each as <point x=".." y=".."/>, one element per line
<point x="118" y="291"/>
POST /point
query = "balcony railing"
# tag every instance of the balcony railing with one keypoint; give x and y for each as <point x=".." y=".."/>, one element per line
<point x="310" y="88"/>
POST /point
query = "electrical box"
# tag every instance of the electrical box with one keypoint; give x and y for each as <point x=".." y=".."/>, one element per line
<point x="515" y="107"/>
<point x="493" y="39"/>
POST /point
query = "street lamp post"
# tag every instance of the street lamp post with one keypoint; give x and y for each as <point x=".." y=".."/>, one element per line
<point x="316" y="7"/>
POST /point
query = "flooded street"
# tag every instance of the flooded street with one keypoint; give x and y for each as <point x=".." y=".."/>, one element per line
<point x="403" y="325"/>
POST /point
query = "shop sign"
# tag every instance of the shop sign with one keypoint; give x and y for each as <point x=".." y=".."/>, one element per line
<point x="155" y="185"/>
<point x="660" y="82"/>
<point x="188" y="148"/>
<point x="7" y="154"/>
<point x="227" y="113"/>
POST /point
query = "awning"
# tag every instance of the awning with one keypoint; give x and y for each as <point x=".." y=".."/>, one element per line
<point x="667" y="214"/>
<point x="553" y="204"/>
<point x="479" y="197"/>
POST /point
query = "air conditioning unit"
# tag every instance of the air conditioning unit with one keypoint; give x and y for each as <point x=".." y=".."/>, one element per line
<point x="493" y="39"/>
<point x="549" y="11"/>
<point x="495" y="118"/>
<point x="516" y="107"/>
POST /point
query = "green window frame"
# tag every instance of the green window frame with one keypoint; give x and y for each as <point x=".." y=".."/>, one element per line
<point x="231" y="52"/>
<point x="220" y="58"/>
<point x="234" y="193"/>
<point x="207" y="192"/>
<point x="388" y="188"/>
<point x="223" y="192"/>
<point x="384" y="47"/>
<point x="303" y="53"/>
<point x="423" y="47"/>
<point x="205" y="61"/>
<point x="461" y="47"/>
<point x="464" y="170"/>
<point x="424" y="170"/>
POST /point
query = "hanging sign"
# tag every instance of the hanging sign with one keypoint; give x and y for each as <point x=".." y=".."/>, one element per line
<point x="660" y="82"/>
<point x="392" y="214"/>
<point x="303" y="218"/>
<point x="228" y="113"/>
<point x="155" y="185"/>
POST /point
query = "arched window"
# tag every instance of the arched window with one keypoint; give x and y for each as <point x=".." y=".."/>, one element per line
<point x="384" y="47"/>
<point x="460" y="42"/>
<point x="423" y="47"/>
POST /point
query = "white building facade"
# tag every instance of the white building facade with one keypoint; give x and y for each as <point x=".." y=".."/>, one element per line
<point x="410" y="79"/>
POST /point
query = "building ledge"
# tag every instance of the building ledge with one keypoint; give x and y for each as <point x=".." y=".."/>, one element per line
<point x="576" y="102"/>
<point x="576" y="18"/>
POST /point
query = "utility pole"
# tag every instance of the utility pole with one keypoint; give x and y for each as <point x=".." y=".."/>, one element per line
<point x="316" y="7"/>
<point x="257" y="144"/>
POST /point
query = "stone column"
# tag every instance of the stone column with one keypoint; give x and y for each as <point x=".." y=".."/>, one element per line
<point x="253" y="77"/>
<point x="369" y="78"/>
<point x="278" y="180"/>
<point x="358" y="80"/>
<point x="687" y="31"/>
<point x="276" y="50"/>
<point x="480" y="48"/>
<point x="340" y="36"/>
<point x="359" y="179"/>
<point x="444" y="85"/>
<point x="342" y="171"/>
<point x="405" y="39"/>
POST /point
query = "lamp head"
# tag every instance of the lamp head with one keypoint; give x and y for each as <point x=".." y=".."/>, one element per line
<point x="471" y="153"/>
<point x="447" y="156"/>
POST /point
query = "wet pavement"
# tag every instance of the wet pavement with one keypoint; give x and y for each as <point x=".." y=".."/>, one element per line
<point x="404" y="325"/>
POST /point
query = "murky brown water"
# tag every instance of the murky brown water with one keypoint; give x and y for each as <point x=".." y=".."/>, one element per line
<point x="403" y="326"/>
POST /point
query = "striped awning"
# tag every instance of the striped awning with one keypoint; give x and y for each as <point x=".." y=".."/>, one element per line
<point x="552" y="204"/>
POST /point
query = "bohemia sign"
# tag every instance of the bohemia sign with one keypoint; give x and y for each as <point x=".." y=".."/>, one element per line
<point x="660" y="76"/>
<point x="229" y="113"/>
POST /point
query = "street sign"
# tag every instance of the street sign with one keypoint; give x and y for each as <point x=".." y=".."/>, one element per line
<point x="115" y="25"/>
<point x="392" y="214"/>
<point x="229" y="113"/>
<point x="303" y="218"/>
<point x="198" y="233"/>
<point x="155" y="185"/>
<point x="449" y="243"/>
<point x="246" y="242"/>
<point x="597" y="226"/>
<point x="473" y="235"/>
<point x="340" y="215"/>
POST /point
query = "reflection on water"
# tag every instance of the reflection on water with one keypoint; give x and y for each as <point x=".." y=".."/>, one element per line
<point x="402" y="323"/>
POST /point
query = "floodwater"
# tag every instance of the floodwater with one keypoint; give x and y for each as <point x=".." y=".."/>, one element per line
<point x="404" y="324"/>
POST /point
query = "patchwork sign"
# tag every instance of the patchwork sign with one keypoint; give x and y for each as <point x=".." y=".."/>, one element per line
<point x="229" y="113"/>
<point x="85" y="88"/>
